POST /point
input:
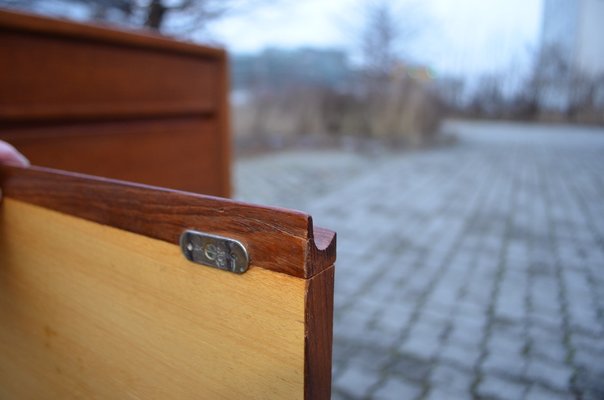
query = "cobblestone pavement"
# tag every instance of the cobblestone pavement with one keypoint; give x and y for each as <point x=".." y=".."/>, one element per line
<point x="473" y="271"/>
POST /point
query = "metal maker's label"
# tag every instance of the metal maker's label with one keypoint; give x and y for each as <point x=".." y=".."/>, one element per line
<point x="214" y="251"/>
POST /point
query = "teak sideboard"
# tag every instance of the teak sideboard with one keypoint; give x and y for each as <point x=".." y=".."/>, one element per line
<point x="122" y="105"/>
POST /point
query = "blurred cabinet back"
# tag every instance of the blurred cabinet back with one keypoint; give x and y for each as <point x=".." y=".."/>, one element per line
<point x="123" y="105"/>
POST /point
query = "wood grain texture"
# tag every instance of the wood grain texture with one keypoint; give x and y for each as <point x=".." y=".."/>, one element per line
<point x="90" y="311"/>
<point x="34" y="24"/>
<point x="98" y="81"/>
<point x="158" y="152"/>
<point x="93" y="80"/>
<point x="319" y="335"/>
<point x="277" y="239"/>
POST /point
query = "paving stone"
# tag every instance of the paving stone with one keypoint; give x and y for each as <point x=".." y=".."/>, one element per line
<point x="397" y="389"/>
<point x="588" y="358"/>
<point x="471" y="313"/>
<point x="393" y="321"/>
<point x="537" y="392"/>
<point x="355" y="382"/>
<point x="343" y="349"/>
<point x="584" y="318"/>
<point x="446" y="393"/>
<point x="468" y="331"/>
<point x="507" y="330"/>
<point x="554" y="323"/>
<point x="423" y="343"/>
<point x="500" y="388"/>
<point x="456" y="378"/>
<point x="505" y="342"/>
<point x="371" y="357"/>
<point x="505" y="362"/>
<point x="551" y="350"/>
<point x="410" y="367"/>
<point x="552" y="374"/>
<point x="350" y="323"/>
<point x="460" y="354"/>
<point x="590" y="381"/>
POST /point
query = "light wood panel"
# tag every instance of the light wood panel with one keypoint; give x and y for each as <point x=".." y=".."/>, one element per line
<point x="90" y="311"/>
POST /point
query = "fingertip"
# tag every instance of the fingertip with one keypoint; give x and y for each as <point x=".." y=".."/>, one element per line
<point x="23" y="160"/>
<point x="11" y="156"/>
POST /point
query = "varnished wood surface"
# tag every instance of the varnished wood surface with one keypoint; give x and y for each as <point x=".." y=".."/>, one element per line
<point x="279" y="240"/>
<point x="60" y="79"/>
<point x="93" y="80"/>
<point x="136" y="152"/>
<point x="34" y="24"/>
<point x="319" y="337"/>
<point x="90" y="311"/>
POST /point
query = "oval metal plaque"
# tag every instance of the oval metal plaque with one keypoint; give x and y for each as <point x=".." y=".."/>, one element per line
<point x="214" y="251"/>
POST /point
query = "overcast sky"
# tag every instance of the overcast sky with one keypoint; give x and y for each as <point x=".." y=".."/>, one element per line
<point x="454" y="36"/>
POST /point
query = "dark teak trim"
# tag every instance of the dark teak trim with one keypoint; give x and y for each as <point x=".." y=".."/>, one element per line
<point x="277" y="239"/>
<point x="318" y="336"/>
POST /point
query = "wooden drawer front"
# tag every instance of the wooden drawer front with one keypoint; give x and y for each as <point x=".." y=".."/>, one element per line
<point x="53" y="77"/>
<point x="179" y="153"/>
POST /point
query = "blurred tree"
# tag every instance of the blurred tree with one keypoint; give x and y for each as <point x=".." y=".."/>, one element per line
<point x="488" y="100"/>
<point x="379" y="39"/>
<point x="166" y="16"/>
<point x="384" y="35"/>
<point x="451" y="92"/>
<point x="394" y="101"/>
<point x="553" y="89"/>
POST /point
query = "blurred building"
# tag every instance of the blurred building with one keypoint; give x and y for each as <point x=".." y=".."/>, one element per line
<point x="576" y="28"/>
<point x="572" y="47"/>
<point x="276" y="68"/>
